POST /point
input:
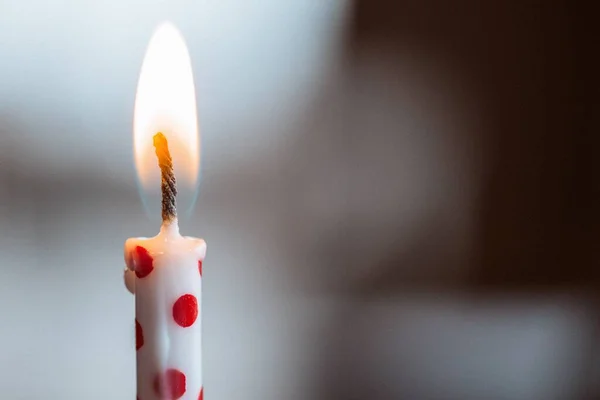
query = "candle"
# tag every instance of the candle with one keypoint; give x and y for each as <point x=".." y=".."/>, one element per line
<point x="165" y="272"/>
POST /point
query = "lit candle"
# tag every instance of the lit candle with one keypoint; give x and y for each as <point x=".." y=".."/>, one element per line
<point x="165" y="272"/>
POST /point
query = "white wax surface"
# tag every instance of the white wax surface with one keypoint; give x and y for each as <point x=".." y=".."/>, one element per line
<point x="167" y="344"/>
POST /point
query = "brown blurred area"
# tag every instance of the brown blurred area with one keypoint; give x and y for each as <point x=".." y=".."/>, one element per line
<point x="530" y="176"/>
<point x="533" y="76"/>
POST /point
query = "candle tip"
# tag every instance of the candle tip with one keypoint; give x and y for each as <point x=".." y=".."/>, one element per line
<point x="168" y="181"/>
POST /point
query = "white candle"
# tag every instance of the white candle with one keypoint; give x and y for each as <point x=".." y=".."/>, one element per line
<point x="165" y="274"/>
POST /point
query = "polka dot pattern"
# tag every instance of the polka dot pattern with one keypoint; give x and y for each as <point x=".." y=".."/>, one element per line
<point x="143" y="262"/>
<point x="139" y="335"/>
<point x="167" y="306"/>
<point x="185" y="310"/>
<point x="170" y="385"/>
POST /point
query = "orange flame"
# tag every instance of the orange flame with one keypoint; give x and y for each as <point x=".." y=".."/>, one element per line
<point x="166" y="102"/>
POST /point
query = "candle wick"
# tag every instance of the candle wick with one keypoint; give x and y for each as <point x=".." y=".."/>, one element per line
<point x="168" y="182"/>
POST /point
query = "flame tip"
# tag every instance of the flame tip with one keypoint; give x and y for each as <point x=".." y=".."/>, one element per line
<point x="167" y="27"/>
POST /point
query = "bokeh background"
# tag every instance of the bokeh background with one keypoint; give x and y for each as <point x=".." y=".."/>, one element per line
<point x="400" y="199"/>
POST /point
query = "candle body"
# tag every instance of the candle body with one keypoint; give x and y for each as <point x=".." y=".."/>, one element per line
<point x="165" y="274"/>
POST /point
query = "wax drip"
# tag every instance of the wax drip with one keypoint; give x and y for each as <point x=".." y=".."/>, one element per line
<point x="168" y="182"/>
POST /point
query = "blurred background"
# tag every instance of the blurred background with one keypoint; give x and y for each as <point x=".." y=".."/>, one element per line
<point x="400" y="199"/>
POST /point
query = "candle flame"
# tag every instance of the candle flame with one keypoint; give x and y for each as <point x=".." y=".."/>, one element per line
<point x="166" y="102"/>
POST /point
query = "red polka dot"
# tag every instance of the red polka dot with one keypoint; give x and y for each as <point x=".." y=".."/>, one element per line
<point x="200" y="267"/>
<point x="139" y="335"/>
<point x="201" y="396"/>
<point x="143" y="263"/>
<point x="170" y="385"/>
<point x="185" y="310"/>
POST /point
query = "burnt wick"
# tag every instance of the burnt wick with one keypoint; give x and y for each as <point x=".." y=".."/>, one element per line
<point x="168" y="182"/>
